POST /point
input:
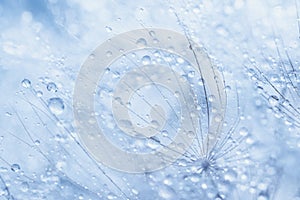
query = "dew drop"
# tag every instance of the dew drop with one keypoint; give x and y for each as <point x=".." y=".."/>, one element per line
<point x="180" y="60"/>
<point x="195" y="178"/>
<point x="15" y="167"/>
<point x="37" y="142"/>
<point x="26" y="83"/>
<point x="141" y="42"/>
<point x="191" y="74"/>
<point x="152" y="33"/>
<point x="146" y="60"/>
<point x="108" y="54"/>
<point x="24" y="187"/>
<point x="166" y="193"/>
<point x="39" y="93"/>
<point x="125" y="123"/>
<point x="273" y="100"/>
<point x="244" y="131"/>
<point x="51" y="87"/>
<point x="108" y="29"/>
<point x="56" y="105"/>
<point x="262" y="197"/>
<point x="111" y="196"/>
<point x="8" y="114"/>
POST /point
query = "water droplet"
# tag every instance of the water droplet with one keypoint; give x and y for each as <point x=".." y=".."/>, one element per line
<point x="80" y="197"/>
<point x="152" y="33"/>
<point x="15" y="167"/>
<point x="111" y="196"/>
<point x="141" y="42"/>
<point x="26" y="83"/>
<point x="108" y="54"/>
<point x="51" y="87"/>
<point x="211" y="98"/>
<point x="134" y="191"/>
<point x="167" y="193"/>
<point x="24" y="187"/>
<point x="262" y="197"/>
<point x="191" y="74"/>
<point x="56" y="105"/>
<point x="195" y="178"/>
<point x="108" y="29"/>
<point x="39" y="93"/>
<point x="146" y="60"/>
<point x="273" y="100"/>
<point x="92" y="56"/>
<point x="180" y="60"/>
<point x="204" y="186"/>
<point x="244" y="131"/>
<point x="125" y="123"/>
<point x="37" y="142"/>
<point x="8" y="114"/>
<point x="230" y="176"/>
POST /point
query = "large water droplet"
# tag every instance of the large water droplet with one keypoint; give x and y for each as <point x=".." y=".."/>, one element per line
<point x="51" y="87"/>
<point x="26" y="83"/>
<point x="56" y="105"/>
<point x="15" y="167"/>
<point x="146" y="60"/>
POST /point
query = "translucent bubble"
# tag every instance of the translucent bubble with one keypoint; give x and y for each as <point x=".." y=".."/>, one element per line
<point x="51" y="87"/>
<point x="146" y="60"/>
<point x="56" y="105"/>
<point x="15" y="167"/>
<point x="26" y="83"/>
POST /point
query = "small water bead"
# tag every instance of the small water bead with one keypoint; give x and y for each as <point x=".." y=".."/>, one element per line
<point x="273" y="100"/>
<point x="166" y="192"/>
<point x="24" y="187"/>
<point x="39" y="93"/>
<point x="141" y="42"/>
<point x="51" y="87"/>
<point x="108" y="29"/>
<point x="92" y="56"/>
<point x="211" y="98"/>
<point x="26" y="83"/>
<point x="146" y="60"/>
<point x="152" y="33"/>
<point x="262" y="197"/>
<point x="108" y="54"/>
<point x="191" y="74"/>
<point x="111" y="196"/>
<point x="15" y="167"/>
<point x="8" y="114"/>
<point x="244" y="131"/>
<point x="56" y="105"/>
<point x="37" y="142"/>
<point x="180" y="60"/>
